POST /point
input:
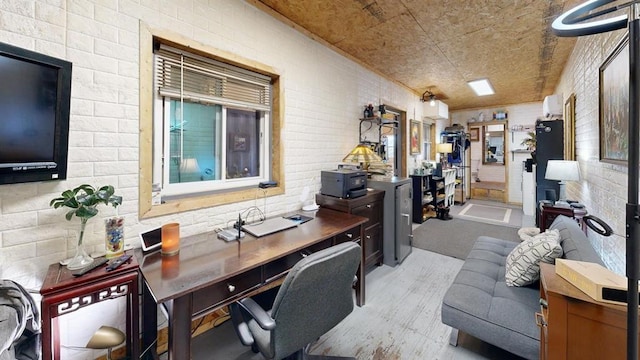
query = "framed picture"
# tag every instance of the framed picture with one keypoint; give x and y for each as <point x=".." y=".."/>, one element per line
<point x="570" y="128"/>
<point x="240" y="142"/>
<point x="474" y="134"/>
<point x="614" y="105"/>
<point x="415" y="136"/>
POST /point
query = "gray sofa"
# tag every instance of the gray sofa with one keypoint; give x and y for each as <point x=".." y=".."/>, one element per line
<point x="480" y="304"/>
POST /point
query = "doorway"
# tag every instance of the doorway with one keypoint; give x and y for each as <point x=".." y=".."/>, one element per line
<point x="489" y="161"/>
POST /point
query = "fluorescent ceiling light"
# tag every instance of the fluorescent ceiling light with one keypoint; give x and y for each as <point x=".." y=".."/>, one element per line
<point x="482" y="87"/>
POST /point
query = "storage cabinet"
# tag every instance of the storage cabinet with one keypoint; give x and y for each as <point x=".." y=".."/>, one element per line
<point x="575" y="326"/>
<point x="423" y="197"/>
<point x="369" y="206"/>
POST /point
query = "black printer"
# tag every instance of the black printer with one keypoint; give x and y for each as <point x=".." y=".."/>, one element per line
<point x="344" y="183"/>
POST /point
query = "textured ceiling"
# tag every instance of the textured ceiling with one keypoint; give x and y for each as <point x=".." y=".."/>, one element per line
<point x="439" y="45"/>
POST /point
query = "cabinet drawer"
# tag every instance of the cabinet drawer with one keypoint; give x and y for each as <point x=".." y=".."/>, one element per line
<point x="227" y="289"/>
<point x="352" y="234"/>
<point x="372" y="211"/>
<point x="278" y="267"/>
<point x="372" y="243"/>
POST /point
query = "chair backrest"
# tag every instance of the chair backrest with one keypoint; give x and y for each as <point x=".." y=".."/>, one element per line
<point x="315" y="296"/>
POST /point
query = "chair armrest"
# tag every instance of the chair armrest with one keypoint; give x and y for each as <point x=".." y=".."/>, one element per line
<point x="257" y="313"/>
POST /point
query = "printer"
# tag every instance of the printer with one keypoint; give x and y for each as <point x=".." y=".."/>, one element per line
<point x="344" y="183"/>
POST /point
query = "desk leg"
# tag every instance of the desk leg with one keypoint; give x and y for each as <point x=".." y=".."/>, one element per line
<point x="46" y="331"/>
<point x="133" y="320"/>
<point x="149" y="324"/>
<point x="360" y="296"/>
<point x="180" y="311"/>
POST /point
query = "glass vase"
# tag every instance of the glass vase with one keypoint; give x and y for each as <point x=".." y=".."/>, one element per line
<point x="81" y="258"/>
<point x="114" y="237"/>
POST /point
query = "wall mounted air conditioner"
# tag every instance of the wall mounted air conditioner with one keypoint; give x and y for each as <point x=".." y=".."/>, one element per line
<point x="439" y="111"/>
<point x="552" y="106"/>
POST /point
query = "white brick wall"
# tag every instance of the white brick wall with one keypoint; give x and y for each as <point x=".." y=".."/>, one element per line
<point x="603" y="188"/>
<point x="324" y="98"/>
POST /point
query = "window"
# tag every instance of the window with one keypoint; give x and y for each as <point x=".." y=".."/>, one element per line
<point x="213" y="118"/>
<point x="209" y="126"/>
<point x="426" y="140"/>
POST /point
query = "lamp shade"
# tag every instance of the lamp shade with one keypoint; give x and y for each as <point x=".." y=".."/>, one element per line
<point x="563" y="170"/>
<point x="446" y="148"/>
<point x="362" y="154"/>
<point x="189" y="165"/>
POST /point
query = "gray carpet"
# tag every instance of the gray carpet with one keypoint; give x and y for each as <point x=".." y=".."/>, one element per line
<point x="455" y="237"/>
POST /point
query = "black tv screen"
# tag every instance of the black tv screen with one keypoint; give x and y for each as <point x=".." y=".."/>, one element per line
<point x="35" y="94"/>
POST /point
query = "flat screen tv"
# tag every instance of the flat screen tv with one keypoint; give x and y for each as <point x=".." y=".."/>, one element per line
<point x="35" y="93"/>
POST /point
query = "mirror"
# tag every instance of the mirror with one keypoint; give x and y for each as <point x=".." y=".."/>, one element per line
<point x="493" y="149"/>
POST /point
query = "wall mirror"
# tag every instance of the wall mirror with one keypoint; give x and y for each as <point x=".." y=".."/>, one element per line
<point x="493" y="150"/>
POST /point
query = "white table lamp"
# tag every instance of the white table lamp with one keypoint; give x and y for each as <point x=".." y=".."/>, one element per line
<point x="563" y="170"/>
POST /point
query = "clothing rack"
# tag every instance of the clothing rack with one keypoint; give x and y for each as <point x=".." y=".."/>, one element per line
<point x="458" y="139"/>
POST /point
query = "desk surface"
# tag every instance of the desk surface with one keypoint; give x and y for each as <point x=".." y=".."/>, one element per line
<point x="204" y="259"/>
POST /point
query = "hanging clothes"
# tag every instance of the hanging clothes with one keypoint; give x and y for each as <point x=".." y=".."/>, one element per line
<point x="19" y="323"/>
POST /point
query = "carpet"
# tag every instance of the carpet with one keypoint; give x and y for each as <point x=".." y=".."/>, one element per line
<point x="455" y="237"/>
<point x="486" y="213"/>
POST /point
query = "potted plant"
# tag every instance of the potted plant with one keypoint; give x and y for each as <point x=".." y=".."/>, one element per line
<point x="530" y="143"/>
<point x="82" y="202"/>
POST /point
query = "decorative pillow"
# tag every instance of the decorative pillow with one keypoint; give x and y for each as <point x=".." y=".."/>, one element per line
<point x="523" y="263"/>
<point x="526" y="233"/>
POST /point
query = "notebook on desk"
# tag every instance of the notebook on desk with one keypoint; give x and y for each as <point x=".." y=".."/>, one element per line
<point x="269" y="226"/>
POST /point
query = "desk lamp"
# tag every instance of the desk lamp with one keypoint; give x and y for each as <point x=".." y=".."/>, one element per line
<point x="363" y="155"/>
<point x="563" y="170"/>
<point x="106" y="337"/>
<point x="444" y="149"/>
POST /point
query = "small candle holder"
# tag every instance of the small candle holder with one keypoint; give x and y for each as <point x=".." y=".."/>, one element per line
<point x="170" y="239"/>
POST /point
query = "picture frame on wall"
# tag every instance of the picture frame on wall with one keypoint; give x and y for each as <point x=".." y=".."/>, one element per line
<point x="415" y="136"/>
<point x="614" y="105"/>
<point x="474" y="134"/>
<point x="570" y="128"/>
<point x="240" y="142"/>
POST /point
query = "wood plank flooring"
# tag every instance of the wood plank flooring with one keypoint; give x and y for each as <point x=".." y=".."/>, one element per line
<point x="401" y="320"/>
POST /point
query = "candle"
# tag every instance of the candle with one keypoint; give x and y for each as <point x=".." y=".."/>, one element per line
<point x="170" y="239"/>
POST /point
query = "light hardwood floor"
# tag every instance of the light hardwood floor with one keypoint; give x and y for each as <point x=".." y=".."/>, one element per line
<point x="401" y="320"/>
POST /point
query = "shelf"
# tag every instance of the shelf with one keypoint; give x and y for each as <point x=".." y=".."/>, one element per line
<point x="519" y="151"/>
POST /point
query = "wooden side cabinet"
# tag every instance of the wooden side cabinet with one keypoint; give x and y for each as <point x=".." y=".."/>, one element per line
<point x="369" y="206"/>
<point x="549" y="213"/>
<point x="575" y="326"/>
<point x="63" y="293"/>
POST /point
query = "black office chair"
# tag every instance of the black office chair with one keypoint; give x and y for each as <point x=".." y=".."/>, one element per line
<point x="314" y="297"/>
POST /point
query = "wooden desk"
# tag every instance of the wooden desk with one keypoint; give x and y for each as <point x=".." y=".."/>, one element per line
<point x="209" y="273"/>
<point x="63" y="293"/>
<point x="575" y="326"/>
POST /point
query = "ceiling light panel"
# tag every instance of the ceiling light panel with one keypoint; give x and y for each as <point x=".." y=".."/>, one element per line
<point x="481" y="87"/>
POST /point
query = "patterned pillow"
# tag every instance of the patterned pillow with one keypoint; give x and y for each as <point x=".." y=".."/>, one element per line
<point x="526" y="233"/>
<point x="523" y="263"/>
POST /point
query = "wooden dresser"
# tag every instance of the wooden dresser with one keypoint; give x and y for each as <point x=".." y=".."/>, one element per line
<point x="574" y="326"/>
<point x="369" y="206"/>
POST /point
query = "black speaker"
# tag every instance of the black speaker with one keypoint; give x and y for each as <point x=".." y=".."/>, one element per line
<point x="528" y="165"/>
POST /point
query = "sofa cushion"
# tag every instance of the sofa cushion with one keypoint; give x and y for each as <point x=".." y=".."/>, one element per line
<point x="574" y="242"/>
<point x="480" y="303"/>
<point x="526" y="233"/>
<point x="523" y="263"/>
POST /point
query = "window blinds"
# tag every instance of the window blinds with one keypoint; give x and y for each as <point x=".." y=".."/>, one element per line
<point x="181" y="74"/>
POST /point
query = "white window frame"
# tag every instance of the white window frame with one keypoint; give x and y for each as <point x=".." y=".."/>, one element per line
<point x="161" y="155"/>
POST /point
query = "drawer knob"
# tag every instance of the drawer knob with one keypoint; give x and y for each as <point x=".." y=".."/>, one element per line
<point x="369" y="206"/>
<point x="368" y="237"/>
<point x="349" y="235"/>
<point x="231" y="288"/>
